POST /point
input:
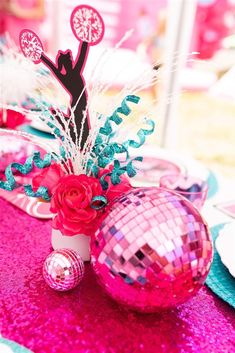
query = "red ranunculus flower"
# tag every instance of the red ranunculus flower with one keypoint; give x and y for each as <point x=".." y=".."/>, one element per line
<point x="48" y="177"/>
<point x="71" y="203"/>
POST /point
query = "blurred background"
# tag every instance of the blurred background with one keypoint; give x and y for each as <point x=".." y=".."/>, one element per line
<point x="189" y="43"/>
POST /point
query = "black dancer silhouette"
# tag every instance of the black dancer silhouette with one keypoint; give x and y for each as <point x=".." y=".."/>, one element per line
<point x="69" y="73"/>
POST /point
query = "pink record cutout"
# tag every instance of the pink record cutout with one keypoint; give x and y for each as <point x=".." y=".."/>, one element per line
<point x="87" y="24"/>
<point x="31" y="45"/>
<point x="30" y="205"/>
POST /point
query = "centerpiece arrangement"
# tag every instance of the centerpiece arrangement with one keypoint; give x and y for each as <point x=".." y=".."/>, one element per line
<point x="150" y="247"/>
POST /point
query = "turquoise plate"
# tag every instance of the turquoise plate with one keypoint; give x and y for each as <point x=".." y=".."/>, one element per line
<point x="219" y="280"/>
<point x="12" y="347"/>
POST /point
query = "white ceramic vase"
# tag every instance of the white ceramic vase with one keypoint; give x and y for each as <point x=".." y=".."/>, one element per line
<point x="79" y="243"/>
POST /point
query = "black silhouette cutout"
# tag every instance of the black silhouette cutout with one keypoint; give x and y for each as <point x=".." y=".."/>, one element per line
<point x="69" y="74"/>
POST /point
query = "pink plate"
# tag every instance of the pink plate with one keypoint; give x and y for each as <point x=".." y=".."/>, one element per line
<point x="153" y="168"/>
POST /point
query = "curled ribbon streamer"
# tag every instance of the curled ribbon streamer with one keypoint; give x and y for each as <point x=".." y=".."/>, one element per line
<point x="142" y="133"/>
<point x="10" y="183"/>
<point x="119" y="170"/>
<point x="62" y="152"/>
<point x="103" y="158"/>
<point x="108" y="153"/>
<point x="106" y="158"/>
<point x="116" y="173"/>
<point x="92" y="166"/>
<point x="130" y="169"/>
<point x="103" y="182"/>
<point x="42" y="192"/>
<point x="123" y="109"/>
<point x="104" y="152"/>
<point x="98" y="202"/>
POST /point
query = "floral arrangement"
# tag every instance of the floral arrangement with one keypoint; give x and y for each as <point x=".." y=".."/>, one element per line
<point x="153" y="249"/>
<point x="92" y="166"/>
<point x="77" y="200"/>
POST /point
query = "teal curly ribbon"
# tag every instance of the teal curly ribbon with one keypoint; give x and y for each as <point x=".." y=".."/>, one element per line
<point x="98" y="202"/>
<point x="142" y="133"/>
<point x="104" y="155"/>
<point x="119" y="170"/>
<point x="130" y="169"/>
<point x="92" y="167"/>
<point x="123" y="109"/>
<point x="107" y="154"/>
<point x="62" y="152"/>
<point x="10" y="183"/>
<point x="42" y="192"/>
<point x="104" y="152"/>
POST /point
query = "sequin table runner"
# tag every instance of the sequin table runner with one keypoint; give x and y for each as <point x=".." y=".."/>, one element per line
<point x="86" y="320"/>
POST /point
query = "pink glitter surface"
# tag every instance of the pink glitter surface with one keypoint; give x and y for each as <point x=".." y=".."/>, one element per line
<point x="86" y="320"/>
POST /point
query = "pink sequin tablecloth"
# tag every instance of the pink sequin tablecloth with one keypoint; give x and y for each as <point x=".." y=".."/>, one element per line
<point x="86" y="320"/>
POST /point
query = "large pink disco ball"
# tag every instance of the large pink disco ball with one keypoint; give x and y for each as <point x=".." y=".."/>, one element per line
<point x="153" y="250"/>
